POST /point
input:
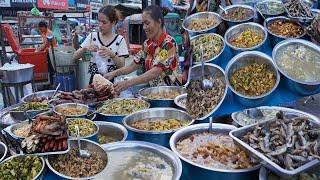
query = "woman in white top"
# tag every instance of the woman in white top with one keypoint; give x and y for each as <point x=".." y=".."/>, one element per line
<point x="108" y="49"/>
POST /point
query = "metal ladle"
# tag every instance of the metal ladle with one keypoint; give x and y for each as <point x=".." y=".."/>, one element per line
<point x="254" y="113"/>
<point x="224" y="10"/>
<point x="210" y="125"/>
<point x="206" y="83"/>
<point x="82" y="153"/>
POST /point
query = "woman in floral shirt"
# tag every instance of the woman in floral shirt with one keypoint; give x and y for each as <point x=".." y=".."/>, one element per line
<point x="158" y="55"/>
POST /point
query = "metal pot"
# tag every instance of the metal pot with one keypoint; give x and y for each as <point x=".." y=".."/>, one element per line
<point x="247" y="58"/>
<point x="274" y="38"/>
<point x="235" y="30"/>
<point x="231" y="23"/>
<point x="158" y="137"/>
<point x="197" y="171"/>
<point x="87" y="145"/>
<point x="57" y="108"/>
<point x="143" y="93"/>
<point x="163" y="152"/>
<point x="18" y="76"/>
<point x="39" y="175"/>
<point x="296" y="86"/>
<point x="216" y="59"/>
<point x="110" y="129"/>
<point x="3" y="151"/>
<point x="209" y="15"/>
<point x="209" y="70"/>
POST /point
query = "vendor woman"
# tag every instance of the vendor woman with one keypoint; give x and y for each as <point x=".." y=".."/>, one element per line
<point x="158" y="55"/>
<point x="109" y="49"/>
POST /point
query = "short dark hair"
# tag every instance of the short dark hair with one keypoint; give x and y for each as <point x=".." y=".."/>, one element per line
<point x="42" y="24"/>
<point x="110" y="12"/>
<point x="156" y="13"/>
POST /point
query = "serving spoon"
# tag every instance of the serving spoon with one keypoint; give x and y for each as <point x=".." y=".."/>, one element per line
<point x="210" y="125"/>
<point x="82" y="153"/>
<point x="224" y="10"/>
<point x="206" y="83"/>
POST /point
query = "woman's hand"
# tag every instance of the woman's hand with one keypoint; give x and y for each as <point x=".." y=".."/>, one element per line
<point x="110" y="75"/>
<point x="106" y="52"/>
<point x="92" y="48"/>
<point x="121" y="86"/>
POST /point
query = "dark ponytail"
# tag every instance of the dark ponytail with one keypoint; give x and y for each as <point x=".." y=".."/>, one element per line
<point x="156" y="13"/>
<point x="110" y="12"/>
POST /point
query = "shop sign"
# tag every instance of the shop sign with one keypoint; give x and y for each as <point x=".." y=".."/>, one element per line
<point x="95" y="7"/>
<point x="4" y="3"/>
<point x="82" y="4"/>
<point x="53" y="4"/>
<point x="72" y="3"/>
<point x="23" y="3"/>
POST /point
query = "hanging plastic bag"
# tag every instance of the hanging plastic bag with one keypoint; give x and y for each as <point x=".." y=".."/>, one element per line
<point x="56" y="32"/>
<point x="35" y="11"/>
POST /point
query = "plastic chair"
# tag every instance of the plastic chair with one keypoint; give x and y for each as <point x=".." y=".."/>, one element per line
<point x="28" y="55"/>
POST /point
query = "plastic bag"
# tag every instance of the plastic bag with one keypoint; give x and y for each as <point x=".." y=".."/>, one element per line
<point x="56" y="32"/>
<point x="35" y="11"/>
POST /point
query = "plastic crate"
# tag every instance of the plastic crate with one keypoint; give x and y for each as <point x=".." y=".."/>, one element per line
<point x="39" y="60"/>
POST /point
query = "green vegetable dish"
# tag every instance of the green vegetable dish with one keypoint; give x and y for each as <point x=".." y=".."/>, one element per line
<point x="21" y="167"/>
<point x="123" y="106"/>
<point x="86" y="127"/>
<point x="33" y="106"/>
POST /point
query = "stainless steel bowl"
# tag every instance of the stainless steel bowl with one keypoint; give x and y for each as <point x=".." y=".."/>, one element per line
<point x="3" y="151"/>
<point x="265" y="174"/>
<point x="180" y="98"/>
<point x="39" y="175"/>
<point x="143" y="93"/>
<point x="265" y="3"/>
<point x="238" y="133"/>
<point x="296" y="86"/>
<point x="287" y="112"/>
<point x="46" y="93"/>
<point x="210" y="15"/>
<point x="158" y="137"/>
<point x="235" y="30"/>
<point x="274" y="38"/>
<point x="110" y="129"/>
<point x="13" y="127"/>
<point x="216" y="59"/>
<point x="20" y="116"/>
<point x="161" y="151"/>
<point x="116" y="118"/>
<point x="303" y="20"/>
<point x="197" y="171"/>
<point x="209" y="70"/>
<point x="20" y="75"/>
<point x="85" y="145"/>
<point x="92" y="136"/>
<point x="57" y="108"/>
<point x="247" y="58"/>
<point x="235" y="22"/>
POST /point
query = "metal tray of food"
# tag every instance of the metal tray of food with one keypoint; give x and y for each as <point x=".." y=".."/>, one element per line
<point x="235" y="116"/>
<point x="236" y="134"/>
<point x="51" y="152"/>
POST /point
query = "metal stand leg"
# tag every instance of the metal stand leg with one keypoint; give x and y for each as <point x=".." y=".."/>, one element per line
<point x="16" y="92"/>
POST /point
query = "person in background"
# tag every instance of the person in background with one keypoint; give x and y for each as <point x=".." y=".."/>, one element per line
<point x="158" y="55"/>
<point x="45" y="34"/>
<point x="109" y="49"/>
<point x="34" y="32"/>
